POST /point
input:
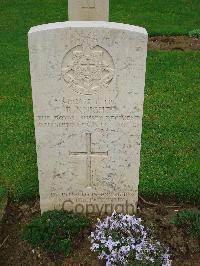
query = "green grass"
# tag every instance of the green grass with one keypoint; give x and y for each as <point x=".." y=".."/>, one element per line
<point x="3" y="201"/>
<point x="159" y="17"/>
<point x="171" y="126"/>
<point x="170" y="130"/>
<point x="189" y="221"/>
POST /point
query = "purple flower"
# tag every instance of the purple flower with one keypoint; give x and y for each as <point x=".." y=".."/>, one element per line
<point x="118" y="235"/>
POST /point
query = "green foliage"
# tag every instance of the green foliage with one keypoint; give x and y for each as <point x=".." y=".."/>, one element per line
<point x="3" y="201"/>
<point x="2" y="193"/>
<point x="190" y="220"/>
<point x="195" y="33"/>
<point x="55" y="231"/>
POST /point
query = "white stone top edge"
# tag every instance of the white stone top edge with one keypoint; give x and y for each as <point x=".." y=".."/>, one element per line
<point x="88" y="24"/>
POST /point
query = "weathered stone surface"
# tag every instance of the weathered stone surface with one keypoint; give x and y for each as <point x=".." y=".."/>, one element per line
<point x="88" y="89"/>
<point x="81" y="10"/>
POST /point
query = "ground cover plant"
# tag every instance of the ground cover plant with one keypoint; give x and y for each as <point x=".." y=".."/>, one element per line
<point x="123" y="240"/>
<point x="55" y="231"/>
<point x="189" y="220"/>
<point x="195" y="33"/>
<point x="170" y="129"/>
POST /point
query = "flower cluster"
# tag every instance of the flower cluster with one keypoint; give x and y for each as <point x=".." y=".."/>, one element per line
<point x="122" y="240"/>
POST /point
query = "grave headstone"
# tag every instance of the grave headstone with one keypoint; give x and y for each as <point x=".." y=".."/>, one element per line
<point x="88" y="89"/>
<point x="82" y="10"/>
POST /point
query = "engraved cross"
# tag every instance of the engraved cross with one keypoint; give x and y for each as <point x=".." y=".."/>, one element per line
<point x="89" y="154"/>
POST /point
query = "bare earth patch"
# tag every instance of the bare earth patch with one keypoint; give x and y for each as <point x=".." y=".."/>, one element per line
<point x="182" y="43"/>
<point x="13" y="251"/>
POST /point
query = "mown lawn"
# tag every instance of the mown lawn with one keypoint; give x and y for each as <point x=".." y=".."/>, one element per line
<point x="159" y="17"/>
<point x="171" y="127"/>
<point x="171" y="124"/>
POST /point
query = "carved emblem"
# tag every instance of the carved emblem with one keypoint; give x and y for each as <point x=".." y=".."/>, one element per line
<point x="87" y="69"/>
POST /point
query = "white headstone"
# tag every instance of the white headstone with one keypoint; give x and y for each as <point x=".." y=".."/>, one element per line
<point x="82" y="10"/>
<point x="88" y="89"/>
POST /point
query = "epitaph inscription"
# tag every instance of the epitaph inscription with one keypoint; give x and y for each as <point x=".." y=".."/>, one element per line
<point x="88" y="113"/>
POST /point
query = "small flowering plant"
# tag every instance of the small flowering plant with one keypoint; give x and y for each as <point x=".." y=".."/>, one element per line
<point x="122" y="240"/>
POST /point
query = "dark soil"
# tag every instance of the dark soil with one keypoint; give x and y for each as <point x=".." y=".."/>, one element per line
<point x="185" y="249"/>
<point x="182" y="43"/>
